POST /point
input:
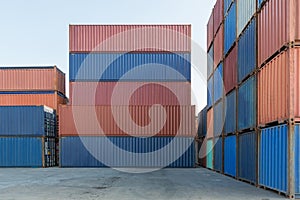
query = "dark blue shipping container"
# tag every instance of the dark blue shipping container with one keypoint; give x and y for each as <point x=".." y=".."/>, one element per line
<point x="218" y="154"/>
<point x="210" y="61"/>
<point x="218" y="119"/>
<point x="230" y="28"/>
<point x="230" y="109"/>
<point x="210" y="91"/>
<point x="27" y="121"/>
<point x="247" y="104"/>
<point x="73" y="152"/>
<point x="273" y="158"/>
<point x="230" y="155"/>
<point x="202" y="122"/>
<point x="227" y="4"/>
<point x="259" y="2"/>
<point x="297" y="160"/>
<point x="130" y="67"/>
<point x="247" y="51"/>
<point x="218" y="83"/>
<point x="247" y="156"/>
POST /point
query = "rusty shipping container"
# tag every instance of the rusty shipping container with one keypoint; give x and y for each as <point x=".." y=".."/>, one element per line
<point x="277" y="26"/>
<point x="278" y="88"/>
<point x="129" y="38"/>
<point x="32" y="79"/>
<point x="230" y="70"/>
<point x="218" y="14"/>
<point x="219" y="46"/>
<point x="210" y="30"/>
<point x="130" y="93"/>
<point x="127" y="121"/>
<point x="210" y="123"/>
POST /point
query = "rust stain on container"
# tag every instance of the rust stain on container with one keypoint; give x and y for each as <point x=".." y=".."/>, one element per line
<point x="230" y="70"/>
<point x="219" y="46"/>
<point x="210" y="30"/>
<point x="218" y="14"/>
<point x="210" y="123"/>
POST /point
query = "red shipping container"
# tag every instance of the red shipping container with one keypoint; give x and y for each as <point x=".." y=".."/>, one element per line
<point x="218" y="15"/>
<point x="32" y="79"/>
<point x="127" y="121"/>
<point x="279" y="88"/>
<point x="277" y="26"/>
<point x="219" y="46"/>
<point x="210" y="123"/>
<point x="210" y="30"/>
<point x="128" y="38"/>
<point x="230" y="70"/>
<point x="130" y="93"/>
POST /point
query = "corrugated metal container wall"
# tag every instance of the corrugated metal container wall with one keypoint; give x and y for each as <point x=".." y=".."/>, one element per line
<point x="227" y="4"/>
<point x="127" y="120"/>
<point x="210" y="30"/>
<point x="209" y="154"/>
<point x="247" y="104"/>
<point x="202" y="158"/>
<point x="218" y="83"/>
<point x="218" y="119"/>
<point x="210" y="91"/>
<point x="127" y="38"/>
<point x="230" y="120"/>
<point x="230" y="28"/>
<point x="218" y="14"/>
<point x="100" y="148"/>
<point x="297" y="159"/>
<point x="130" y="67"/>
<point x="259" y="2"/>
<point x="31" y="79"/>
<point x="247" y="51"/>
<point x="219" y="46"/>
<point x="230" y="70"/>
<point x="130" y="93"/>
<point x="210" y="61"/>
<point x="245" y="9"/>
<point x="247" y="156"/>
<point x="218" y="154"/>
<point x="210" y="123"/>
<point x="273" y="158"/>
<point x="230" y="155"/>
<point x="202" y="120"/>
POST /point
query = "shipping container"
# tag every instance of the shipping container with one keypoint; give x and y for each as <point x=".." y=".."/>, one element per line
<point x="210" y="123"/>
<point x="130" y="93"/>
<point x="27" y="121"/>
<point x="218" y="150"/>
<point x="247" y="51"/>
<point x="27" y="152"/>
<point x="127" y="120"/>
<point x="210" y="30"/>
<point x="218" y="119"/>
<point x="51" y="99"/>
<point x="219" y="46"/>
<point x="273" y="158"/>
<point x="230" y="28"/>
<point x="129" y="38"/>
<point x="277" y="26"/>
<point x="230" y="111"/>
<point x="247" y="152"/>
<point x="278" y="88"/>
<point x="218" y="83"/>
<point x="247" y="104"/>
<point x="230" y="70"/>
<point x="210" y="91"/>
<point x="297" y="160"/>
<point x="202" y="120"/>
<point x="227" y="5"/>
<point x="202" y="152"/>
<point x="209" y="154"/>
<point x="260" y="2"/>
<point x="130" y="67"/>
<point x="230" y="155"/>
<point x="127" y="152"/>
<point x="32" y="79"/>
<point x="245" y="11"/>
<point x="218" y="14"/>
<point x="210" y="61"/>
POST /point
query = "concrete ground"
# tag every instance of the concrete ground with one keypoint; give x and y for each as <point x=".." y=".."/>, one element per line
<point x="85" y="184"/>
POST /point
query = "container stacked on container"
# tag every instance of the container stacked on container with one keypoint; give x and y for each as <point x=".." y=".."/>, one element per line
<point x="260" y="63"/>
<point x="130" y="93"/>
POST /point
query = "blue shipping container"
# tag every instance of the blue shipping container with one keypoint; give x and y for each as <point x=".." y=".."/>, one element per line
<point x="247" y="52"/>
<point x="218" y="83"/>
<point x="227" y="4"/>
<point x="259" y="2"/>
<point x="273" y="158"/>
<point x="210" y="91"/>
<point x="210" y="61"/>
<point x="247" y="156"/>
<point x="130" y="67"/>
<point x="230" y="155"/>
<point x="218" y="154"/>
<point x="218" y="119"/>
<point x="230" y="28"/>
<point x="230" y="109"/>
<point x="247" y="104"/>
<point x="73" y="152"/>
<point x="297" y="160"/>
<point x="27" y="121"/>
<point x="202" y="123"/>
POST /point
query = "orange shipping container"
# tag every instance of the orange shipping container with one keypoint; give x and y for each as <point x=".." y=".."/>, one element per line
<point x="219" y="46"/>
<point x="210" y="123"/>
<point x="32" y="79"/>
<point x="127" y="121"/>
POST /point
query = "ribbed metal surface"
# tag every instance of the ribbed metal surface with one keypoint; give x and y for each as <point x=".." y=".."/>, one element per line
<point x="209" y="154"/>
<point x="210" y="61"/>
<point x="247" y="104"/>
<point x="230" y="28"/>
<point x="297" y="159"/>
<point x="73" y="152"/>
<point x="230" y="70"/>
<point x="210" y="30"/>
<point x="247" y="51"/>
<point x="218" y="83"/>
<point x="218" y="14"/>
<point x="218" y="119"/>
<point x="210" y="91"/>
<point x="247" y="156"/>
<point x="218" y="154"/>
<point x="219" y="46"/>
<point x="273" y="158"/>
<point x="259" y="2"/>
<point x="202" y="120"/>
<point x="230" y="155"/>
<point x="227" y="4"/>
<point x="245" y="10"/>
<point x="210" y="123"/>
<point x="130" y="67"/>
<point x="230" y="120"/>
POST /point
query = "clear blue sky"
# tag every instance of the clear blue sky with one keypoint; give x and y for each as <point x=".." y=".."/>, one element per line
<point x="35" y="32"/>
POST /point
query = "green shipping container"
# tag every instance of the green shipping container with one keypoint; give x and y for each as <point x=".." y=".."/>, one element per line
<point x="209" y="153"/>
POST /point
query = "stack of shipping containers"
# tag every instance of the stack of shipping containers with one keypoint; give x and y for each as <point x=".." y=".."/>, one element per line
<point x="115" y="72"/>
<point x="254" y="47"/>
